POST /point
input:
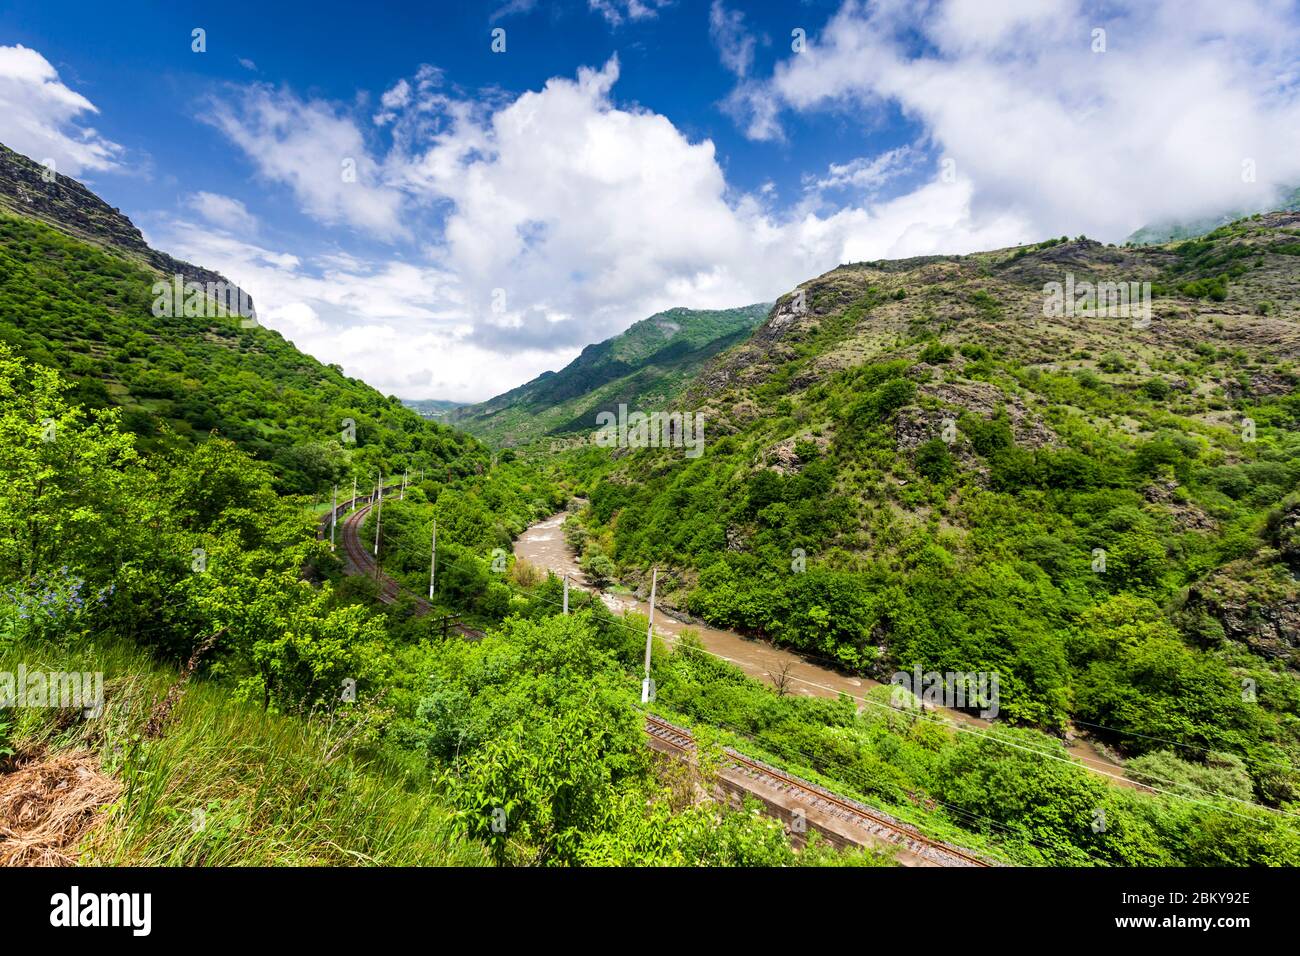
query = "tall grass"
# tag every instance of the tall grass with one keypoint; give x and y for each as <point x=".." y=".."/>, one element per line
<point x="229" y="785"/>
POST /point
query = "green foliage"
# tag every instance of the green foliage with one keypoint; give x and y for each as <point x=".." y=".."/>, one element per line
<point x="937" y="353"/>
<point x="86" y="313"/>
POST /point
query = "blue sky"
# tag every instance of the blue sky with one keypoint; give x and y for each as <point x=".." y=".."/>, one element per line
<point x="625" y="156"/>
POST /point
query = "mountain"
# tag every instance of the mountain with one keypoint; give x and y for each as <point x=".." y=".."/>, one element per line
<point x="78" y="293"/>
<point x="431" y="407"/>
<point x="1289" y="201"/>
<point x="936" y="463"/>
<point x="645" y="367"/>
<point x="30" y="190"/>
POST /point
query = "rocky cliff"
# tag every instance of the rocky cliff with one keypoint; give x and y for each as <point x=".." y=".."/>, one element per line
<point x="28" y="189"/>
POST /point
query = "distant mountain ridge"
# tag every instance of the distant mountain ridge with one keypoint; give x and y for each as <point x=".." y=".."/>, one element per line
<point x="648" y="366"/>
<point x="431" y="407"/>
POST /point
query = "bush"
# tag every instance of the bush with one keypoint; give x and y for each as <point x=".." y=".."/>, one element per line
<point x="936" y="353"/>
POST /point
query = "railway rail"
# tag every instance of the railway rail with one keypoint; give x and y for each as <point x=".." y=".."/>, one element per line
<point x="842" y="820"/>
<point x="361" y="559"/>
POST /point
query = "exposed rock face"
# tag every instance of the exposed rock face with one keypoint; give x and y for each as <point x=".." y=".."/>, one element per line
<point x="987" y="401"/>
<point x="1187" y="516"/>
<point x="1284" y="531"/>
<point x="1257" y="605"/>
<point x="70" y="207"/>
<point x="1261" y="385"/>
<point x="784" y="460"/>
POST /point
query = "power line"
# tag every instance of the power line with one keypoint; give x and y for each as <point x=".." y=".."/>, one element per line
<point x="954" y="725"/>
<point x="962" y="729"/>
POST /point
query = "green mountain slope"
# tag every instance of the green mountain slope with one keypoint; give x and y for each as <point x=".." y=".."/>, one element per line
<point x="79" y="298"/>
<point x="922" y="469"/>
<point x="645" y="367"/>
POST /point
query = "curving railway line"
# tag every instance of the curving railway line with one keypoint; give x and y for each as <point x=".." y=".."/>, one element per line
<point x="842" y="821"/>
<point x="360" y="559"/>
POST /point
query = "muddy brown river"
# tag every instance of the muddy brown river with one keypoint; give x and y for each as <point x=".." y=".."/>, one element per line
<point x="543" y="545"/>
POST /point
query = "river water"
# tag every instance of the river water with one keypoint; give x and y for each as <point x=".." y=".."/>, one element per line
<point x="543" y="545"/>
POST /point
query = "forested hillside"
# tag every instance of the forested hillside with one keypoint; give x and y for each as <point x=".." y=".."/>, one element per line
<point x="911" y="465"/>
<point x="260" y="705"/>
<point x="646" y="366"/>
<point x="88" y="312"/>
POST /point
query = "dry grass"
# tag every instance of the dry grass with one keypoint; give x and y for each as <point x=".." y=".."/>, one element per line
<point x="220" y="782"/>
<point x="48" y="804"/>
<point x="526" y="574"/>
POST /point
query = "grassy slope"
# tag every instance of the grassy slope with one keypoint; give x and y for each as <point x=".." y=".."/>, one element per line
<point x="645" y="367"/>
<point x="87" y="312"/>
<point x="272" y="789"/>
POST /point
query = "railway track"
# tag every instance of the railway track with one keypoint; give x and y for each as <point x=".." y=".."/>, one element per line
<point x="361" y="560"/>
<point x="838" y="818"/>
<point x="844" y="822"/>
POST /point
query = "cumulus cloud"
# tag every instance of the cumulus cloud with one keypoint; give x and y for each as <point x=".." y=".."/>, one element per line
<point x="42" y="118"/>
<point x="1167" y="116"/>
<point x="223" y="211"/>
<point x="575" y="217"/>
<point x="317" y="150"/>
<point x="566" y="218"/>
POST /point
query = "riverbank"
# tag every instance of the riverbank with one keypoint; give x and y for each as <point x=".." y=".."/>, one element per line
<point x="543" y="545"/>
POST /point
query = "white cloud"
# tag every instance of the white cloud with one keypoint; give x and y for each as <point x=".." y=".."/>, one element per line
<point x="42" y="118"/>
<point x="617" y="12"/>
<point x="578" y="216"/>
<point x="317" y="150"/>
<point x="1158" y="126"/>
<point x="397" y="326"/>
<point x="512" y="7"/>
<point x="575" y="216"/>
<point x="866" y="173"/>
<point x="734" y="41"/>
<point x="223" y="211"/>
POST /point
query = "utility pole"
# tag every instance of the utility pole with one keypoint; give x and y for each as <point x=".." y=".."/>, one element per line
<point x="402" y="496"/>
<point x="379" y="513"/>
<point x="334" y="515"/>
<point x="566" y="595"/>
<point x="649" y="635"/>
<point x="433" y="559"/>
<point x="354" y="489"/>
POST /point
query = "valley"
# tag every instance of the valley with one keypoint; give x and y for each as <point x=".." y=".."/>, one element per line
<point x="543" y="546"/>
<point x="899" y="467"/>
